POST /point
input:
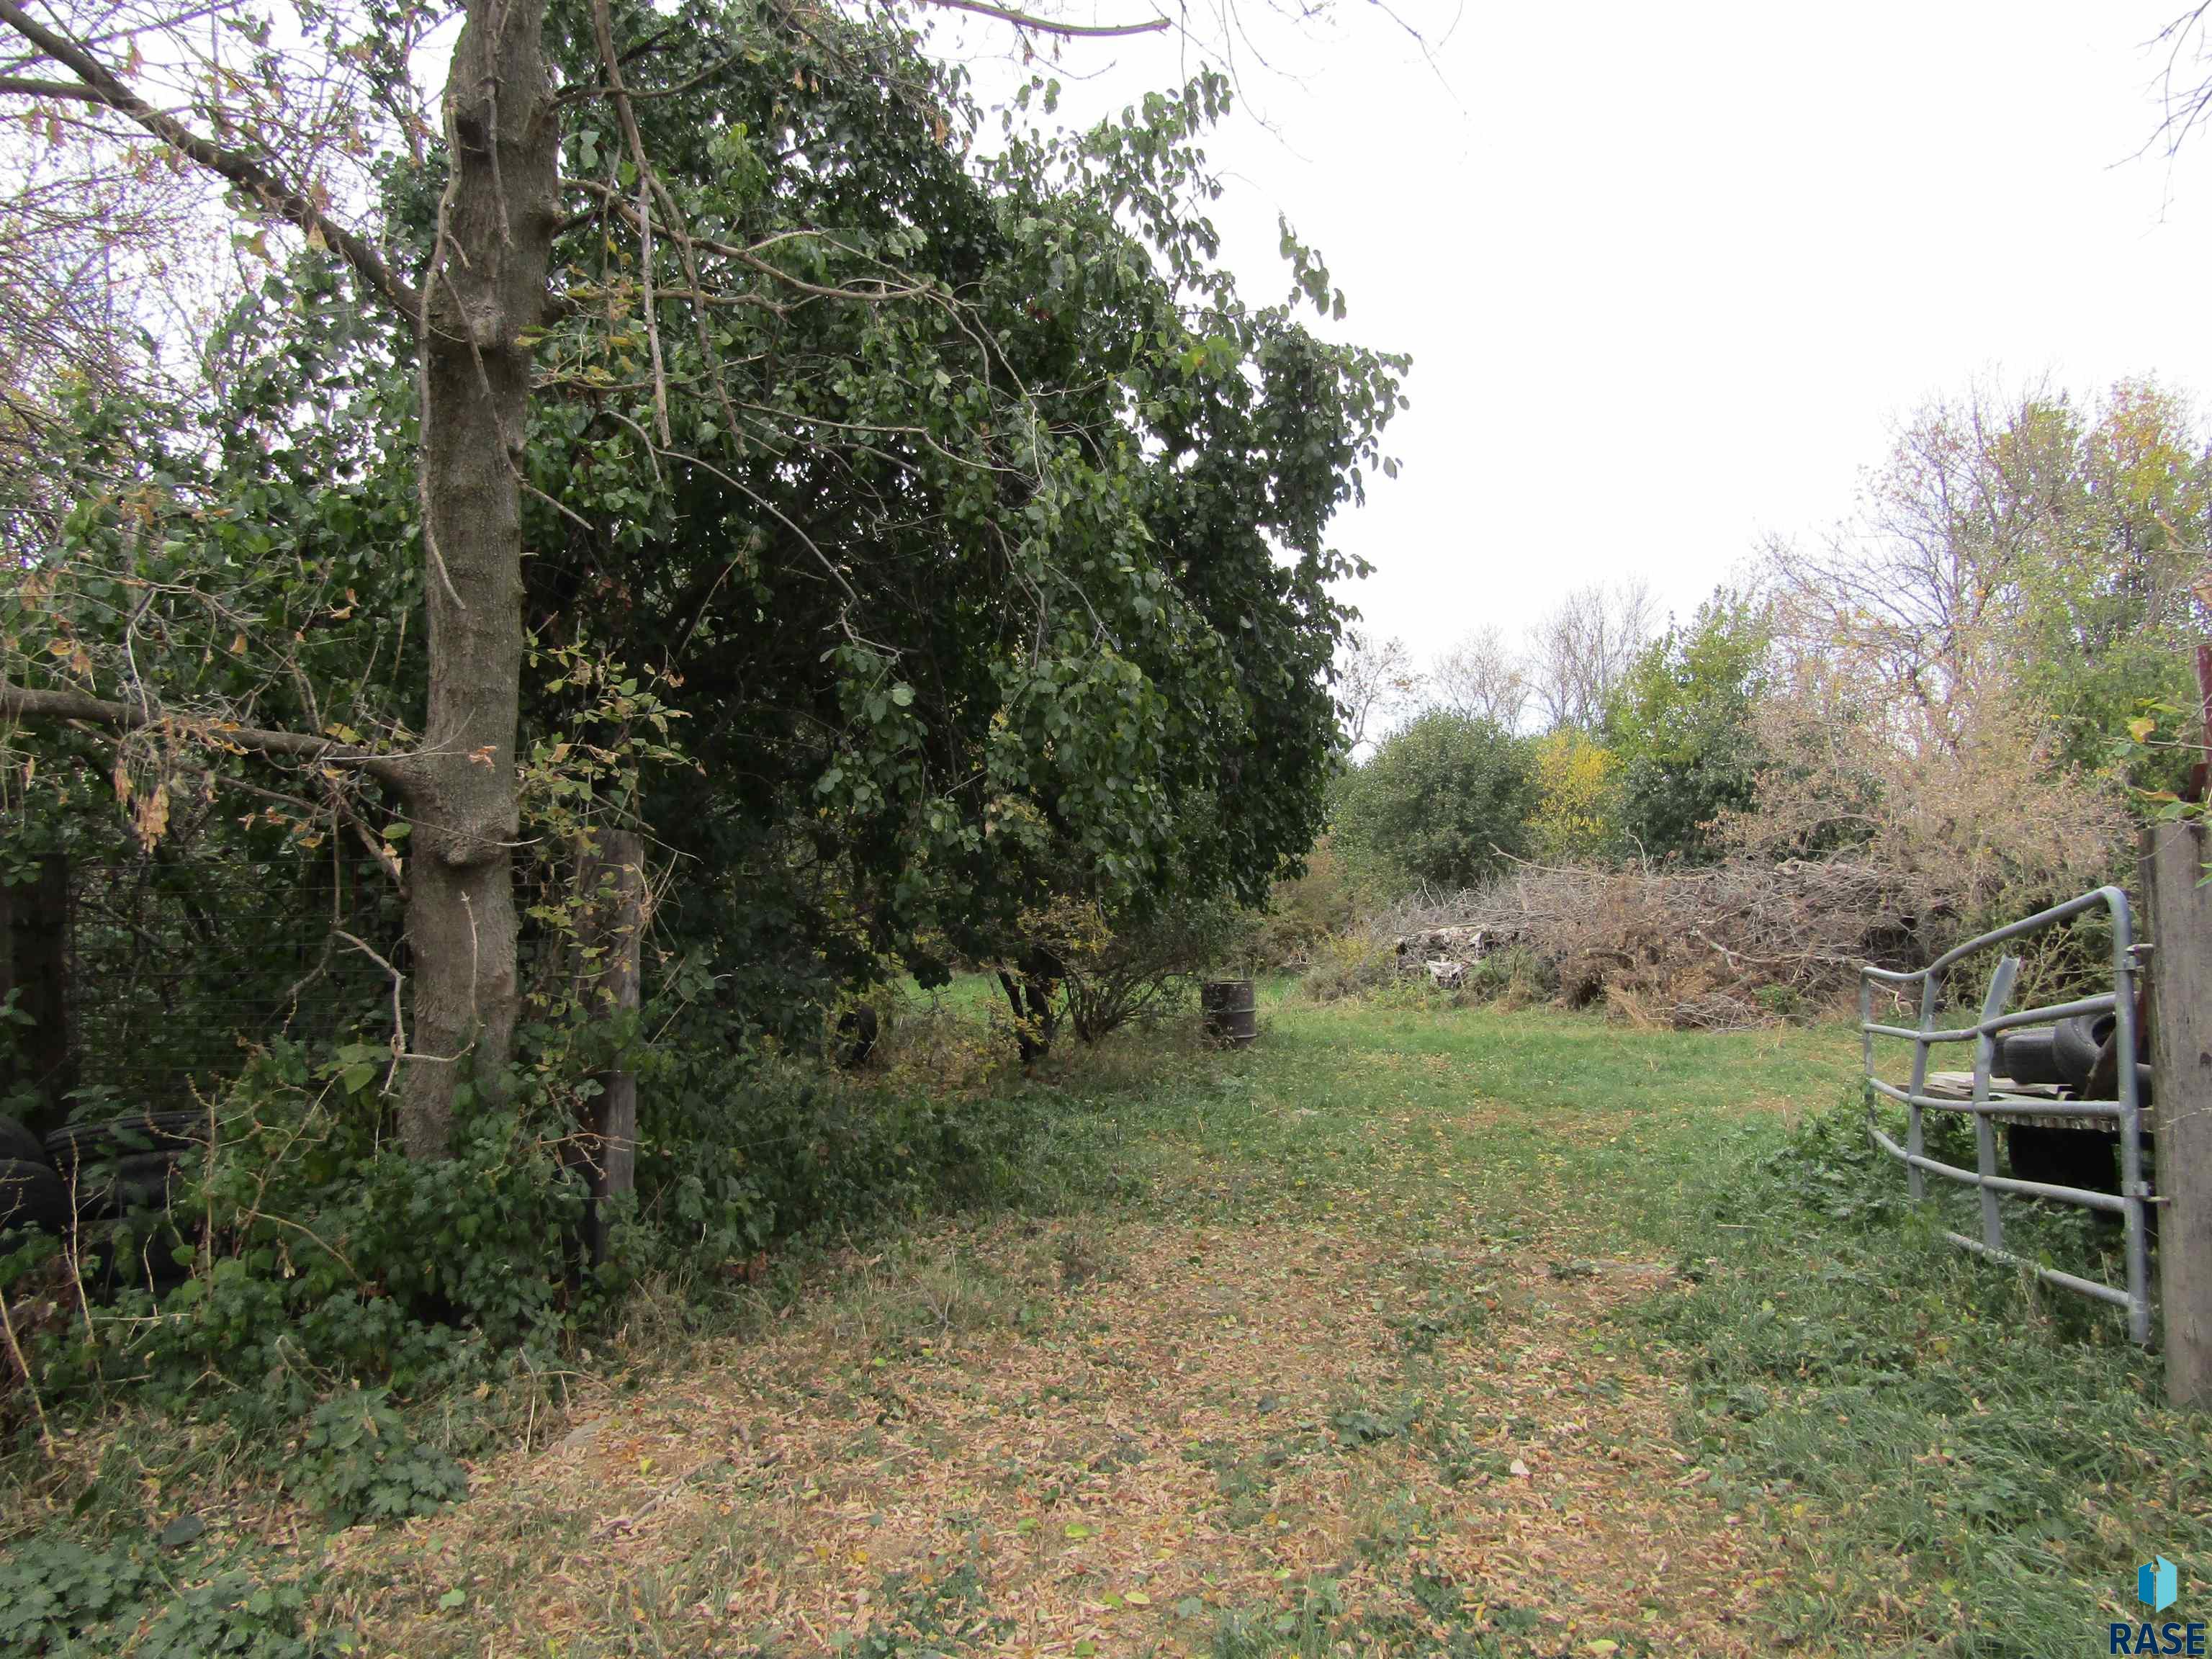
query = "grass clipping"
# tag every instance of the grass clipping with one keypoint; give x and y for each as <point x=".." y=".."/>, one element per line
<point x="1202" y="1440"/>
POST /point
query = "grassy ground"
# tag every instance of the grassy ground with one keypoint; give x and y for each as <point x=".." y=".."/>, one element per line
<point x="1409" y="1331"/>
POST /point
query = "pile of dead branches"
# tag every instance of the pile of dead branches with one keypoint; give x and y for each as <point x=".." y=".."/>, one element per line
<point x="1732" y="946"/>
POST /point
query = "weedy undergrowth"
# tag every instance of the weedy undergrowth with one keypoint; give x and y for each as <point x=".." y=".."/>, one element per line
<point x="1889" y="1401"/>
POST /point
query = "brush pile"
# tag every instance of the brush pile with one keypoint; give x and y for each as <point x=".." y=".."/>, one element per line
<point x="1717" y="949"/>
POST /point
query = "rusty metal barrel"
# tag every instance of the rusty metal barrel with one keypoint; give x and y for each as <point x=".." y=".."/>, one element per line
<point x="1231" y="1011"/>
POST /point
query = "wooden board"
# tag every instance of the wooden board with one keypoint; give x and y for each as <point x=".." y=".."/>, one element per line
<point x="2042" y="1104"/>
<point x="2179" y="908"/>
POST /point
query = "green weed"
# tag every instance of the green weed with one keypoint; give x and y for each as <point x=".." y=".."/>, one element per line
<point x="1956" y="1459"/>
<point x="1889" y="1401"/>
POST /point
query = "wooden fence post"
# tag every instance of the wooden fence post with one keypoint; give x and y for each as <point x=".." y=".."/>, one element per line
<point x="2178" y="908"/>
<point x="611" y="880"/>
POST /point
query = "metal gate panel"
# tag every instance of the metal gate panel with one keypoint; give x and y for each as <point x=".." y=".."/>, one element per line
<point x="1984" y="1105"/>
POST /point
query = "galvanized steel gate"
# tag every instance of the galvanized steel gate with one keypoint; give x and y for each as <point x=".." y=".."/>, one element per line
<point x="2124" y="1113"/>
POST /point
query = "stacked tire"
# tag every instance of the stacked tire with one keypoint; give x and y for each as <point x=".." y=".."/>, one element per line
<point x="125" y="1163"/>
<point x="108" y="1184"/>
<point x="2076" y="1054"/>
<point x="33" y="1196"/>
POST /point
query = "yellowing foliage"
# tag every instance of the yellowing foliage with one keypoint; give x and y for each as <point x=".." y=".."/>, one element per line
<point x="1574" y="795"/>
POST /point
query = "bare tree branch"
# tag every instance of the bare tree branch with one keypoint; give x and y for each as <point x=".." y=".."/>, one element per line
<point x="1046" y="25"/>
<point x="21" y="702"/>
<point x="2186" y="105"/>
<point x="103" y="86"/>
<point x="1374" y="679"/>
<point x="1484" y="678"/>
<point x="27" y="87"/>
<point x="1580" y="652"/>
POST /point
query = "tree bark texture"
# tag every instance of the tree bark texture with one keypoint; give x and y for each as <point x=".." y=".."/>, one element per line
<point x="486" y="283"/>
<point x="611" y="934"/>
<point x="2179" y="912"/>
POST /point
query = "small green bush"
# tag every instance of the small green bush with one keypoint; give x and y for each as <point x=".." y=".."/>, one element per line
<point x="1348" y="965"/>
<point x="1303" y="913"/>
<point x="62" y="1599"/>
<point x="1784" y="1002"/>
<point x="738" y="1149"/>
<point x="1145" y="972"/>
<point x="360" y="1461"/>
<point x="338" y="1287"/>
<point x="1515" y="975"/>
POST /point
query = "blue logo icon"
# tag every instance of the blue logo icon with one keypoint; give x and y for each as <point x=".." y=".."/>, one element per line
<point x="2157" y="1584"/>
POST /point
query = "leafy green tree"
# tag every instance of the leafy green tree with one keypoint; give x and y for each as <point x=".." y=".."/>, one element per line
<point x="1680" y="729"/>
<point x="1056" y="628"/>
<point x="2108" y="607"/>
<point x="2029" y="553"/>
<point x="599" y="262"/>
<point x="976" y="515"/>
<point x="1444" y="803"/>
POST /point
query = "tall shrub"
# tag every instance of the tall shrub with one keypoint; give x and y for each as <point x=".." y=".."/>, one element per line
<point x="1445" y="803"/>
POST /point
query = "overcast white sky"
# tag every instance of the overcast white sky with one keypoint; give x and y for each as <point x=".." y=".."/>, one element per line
<point x="1669" y="274"/>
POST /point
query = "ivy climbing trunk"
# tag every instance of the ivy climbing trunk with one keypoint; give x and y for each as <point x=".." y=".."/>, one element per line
<point x="484" y="286"/>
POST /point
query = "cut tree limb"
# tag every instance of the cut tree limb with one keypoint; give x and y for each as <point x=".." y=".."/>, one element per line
<point x="23" y="703"/>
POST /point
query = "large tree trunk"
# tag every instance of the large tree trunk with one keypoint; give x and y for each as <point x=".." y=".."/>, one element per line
<point x="486" y="283"/>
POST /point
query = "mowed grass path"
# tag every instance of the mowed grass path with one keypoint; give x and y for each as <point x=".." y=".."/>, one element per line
<point x="1342" y="1366"/>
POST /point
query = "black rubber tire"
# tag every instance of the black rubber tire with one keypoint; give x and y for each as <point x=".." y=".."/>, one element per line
<point x="120" y="1138"/>
<point x="2075" y="1044"/>
<point x="2064" y="1157"/>
<point x="16" y="1141"/>
<point x="151" y="1263"/>
<point x="113" y="1188"/>
<point x="32" y="1196"/>
<point x="114" y="1254"/>
<point x="2027" y="1057"/>
<point x="856" y="1036"/>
